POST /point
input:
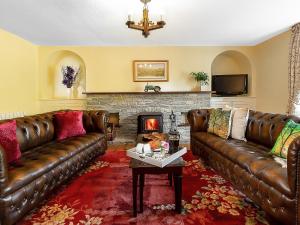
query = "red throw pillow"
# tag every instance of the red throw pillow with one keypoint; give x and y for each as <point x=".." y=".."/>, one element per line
<point x="68" y="124"/>
<point x="8" y="140"/>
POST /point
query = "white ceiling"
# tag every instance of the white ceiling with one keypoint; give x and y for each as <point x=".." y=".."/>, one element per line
<point x="189" y="22"/>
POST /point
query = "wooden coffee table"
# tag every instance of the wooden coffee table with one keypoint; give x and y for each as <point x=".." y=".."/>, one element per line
<point x="139" y="169"/>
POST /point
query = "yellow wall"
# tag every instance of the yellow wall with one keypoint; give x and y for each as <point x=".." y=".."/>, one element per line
<point x="231" y="62"/>
<point x="110" y="68"/>
<point x="225" y="64"/>
<point x="18" y="75"/>
<point x="25" y="70"/>
<point x="271" y="60"/>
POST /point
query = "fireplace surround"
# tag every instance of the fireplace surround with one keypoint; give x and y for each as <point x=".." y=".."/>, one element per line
<point x="149" y="122"/>
<point x="130" y="104"/>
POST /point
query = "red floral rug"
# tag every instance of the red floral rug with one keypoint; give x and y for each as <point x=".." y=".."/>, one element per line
<point x="101" y="194"/>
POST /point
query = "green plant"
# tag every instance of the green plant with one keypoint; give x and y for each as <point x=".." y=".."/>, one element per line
<point x="201" y="77"/>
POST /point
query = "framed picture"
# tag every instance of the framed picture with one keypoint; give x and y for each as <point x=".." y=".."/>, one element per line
<point x="150" y="70"/>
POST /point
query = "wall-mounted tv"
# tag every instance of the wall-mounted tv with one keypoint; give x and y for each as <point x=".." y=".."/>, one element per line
<point x="230" y="85"/>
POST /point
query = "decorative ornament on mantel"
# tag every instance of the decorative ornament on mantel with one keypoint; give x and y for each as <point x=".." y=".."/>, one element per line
<point x="145" y="25"/>
<point x="149" y="87"/>
<point x="200" y="77"/>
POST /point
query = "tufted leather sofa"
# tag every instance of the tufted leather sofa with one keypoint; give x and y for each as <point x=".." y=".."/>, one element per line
<point x="249" y="166"/>
<point x="45" y="162"/>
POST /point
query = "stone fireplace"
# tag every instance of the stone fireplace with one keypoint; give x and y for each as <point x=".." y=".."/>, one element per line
<point x="129" y="105"/>
<point x="149" y="122"/>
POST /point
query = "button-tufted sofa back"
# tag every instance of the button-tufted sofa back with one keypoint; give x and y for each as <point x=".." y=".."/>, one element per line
<point x="33" y="131"/>
<point x="264" y="128"/>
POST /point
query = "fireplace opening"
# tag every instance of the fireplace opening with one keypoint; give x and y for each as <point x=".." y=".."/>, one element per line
<point x="150" y="122"/>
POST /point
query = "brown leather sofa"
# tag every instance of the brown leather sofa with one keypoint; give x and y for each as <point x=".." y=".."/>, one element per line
<point x="249" y="166"/>
<point x="45" y="163"/>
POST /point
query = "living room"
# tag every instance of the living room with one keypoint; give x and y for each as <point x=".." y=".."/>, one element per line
<point x="88" y="63"/>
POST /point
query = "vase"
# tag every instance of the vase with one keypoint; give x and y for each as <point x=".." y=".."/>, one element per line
<point x="199" y="86"/>
<point x="70" y="90"/>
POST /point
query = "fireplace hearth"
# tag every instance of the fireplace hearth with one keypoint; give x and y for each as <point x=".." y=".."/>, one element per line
<point x="149" y="122"/>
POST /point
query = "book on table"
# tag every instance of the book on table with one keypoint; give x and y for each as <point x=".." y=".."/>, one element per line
<point x="158" y="158"/>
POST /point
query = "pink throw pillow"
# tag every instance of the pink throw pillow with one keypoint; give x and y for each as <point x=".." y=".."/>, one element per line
<point x="8" y="140"/>
<point x="68" y="124"/>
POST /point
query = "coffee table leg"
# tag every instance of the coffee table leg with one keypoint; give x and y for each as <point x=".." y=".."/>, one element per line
<point x="142" y="180"/>
<point x="178" y="191"/>
<point x="134" y="191"/>
<point x="170" y="177"/>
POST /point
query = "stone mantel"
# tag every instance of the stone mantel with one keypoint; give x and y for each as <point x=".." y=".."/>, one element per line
<point x="150" y="92"/>
<point x="130" y="104"/>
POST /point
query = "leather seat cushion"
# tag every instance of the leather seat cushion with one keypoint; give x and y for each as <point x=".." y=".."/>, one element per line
<point x="251" y="157"/>
<point x="40" y="160"/>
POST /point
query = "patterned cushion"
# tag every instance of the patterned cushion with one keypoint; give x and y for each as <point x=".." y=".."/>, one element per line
<point x="220" y="122"/>
<point x="288" y="134"/>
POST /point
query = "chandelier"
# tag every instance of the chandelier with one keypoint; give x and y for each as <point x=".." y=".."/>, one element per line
<point x="145" y="25"/>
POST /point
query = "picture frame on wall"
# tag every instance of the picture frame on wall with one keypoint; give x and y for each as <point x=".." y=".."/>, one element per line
<point x="150" y="70"/>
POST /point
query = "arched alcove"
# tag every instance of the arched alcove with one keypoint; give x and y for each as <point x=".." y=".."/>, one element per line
<point x="232" y="62"/>
<point x="55" y="77"/>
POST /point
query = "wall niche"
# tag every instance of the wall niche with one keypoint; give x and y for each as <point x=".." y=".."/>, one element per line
<point x="55" y="76"/>
<point x="233" y="62"/>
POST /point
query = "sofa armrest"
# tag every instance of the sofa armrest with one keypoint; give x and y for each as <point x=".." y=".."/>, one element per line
<point x="95" y="120"/>
<point x="3" y="169"/>
<point x="293" y="165"/>
<point x="293" y="172"/>
<point x="198" y="119"/>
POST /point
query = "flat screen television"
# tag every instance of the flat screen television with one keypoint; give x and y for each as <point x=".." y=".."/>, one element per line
<point x="230" y="85"/>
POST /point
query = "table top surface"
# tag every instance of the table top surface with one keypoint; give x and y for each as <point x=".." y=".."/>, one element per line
<point x="134" y="163"/>
<point x="140" y="137"/>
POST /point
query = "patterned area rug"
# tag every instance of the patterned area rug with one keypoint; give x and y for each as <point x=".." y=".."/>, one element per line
<point x="101" y="194"/>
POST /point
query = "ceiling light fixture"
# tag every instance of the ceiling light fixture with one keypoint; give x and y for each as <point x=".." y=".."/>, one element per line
<point x="145" y="25"/>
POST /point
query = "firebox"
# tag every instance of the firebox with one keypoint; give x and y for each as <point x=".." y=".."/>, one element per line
<point x="150" y="122"/>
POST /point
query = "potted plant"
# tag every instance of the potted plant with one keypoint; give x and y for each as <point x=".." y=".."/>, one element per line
<point x="201" y="77"/>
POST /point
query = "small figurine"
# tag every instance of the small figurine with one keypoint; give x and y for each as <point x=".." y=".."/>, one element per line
<point x="173" y="129"/>
<point x="174" y="135"/>
<point x="152" y="87"/>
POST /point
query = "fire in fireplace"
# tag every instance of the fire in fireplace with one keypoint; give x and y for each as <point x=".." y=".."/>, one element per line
<point x="150" y="122"/>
